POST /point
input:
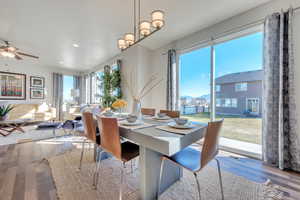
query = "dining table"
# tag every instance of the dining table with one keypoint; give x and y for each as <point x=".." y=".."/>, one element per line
<point x="154" y="143"/>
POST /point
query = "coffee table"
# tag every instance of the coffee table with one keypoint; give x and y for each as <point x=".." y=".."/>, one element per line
<point x="7" y="127"/>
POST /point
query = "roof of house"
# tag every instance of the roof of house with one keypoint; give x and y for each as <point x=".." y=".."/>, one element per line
<point x="256" y="75"/>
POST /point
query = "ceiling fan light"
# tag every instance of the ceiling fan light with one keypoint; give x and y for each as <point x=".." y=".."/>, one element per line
<point x="129" y="39"/>
<point x="122" y="44"/>
<point x="145" y="28"/>
<point x="7" y="54"/>
<point x="157" y="19"/>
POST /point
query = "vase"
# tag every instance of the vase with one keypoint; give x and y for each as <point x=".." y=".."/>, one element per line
<point x="3" y="118"/>
<point x="136" y="109"/>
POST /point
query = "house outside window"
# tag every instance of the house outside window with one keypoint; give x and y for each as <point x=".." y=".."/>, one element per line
<point x="240" y="87"/>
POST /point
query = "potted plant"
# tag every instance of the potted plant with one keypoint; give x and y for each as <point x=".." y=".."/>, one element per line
<point x="4" y="110"/>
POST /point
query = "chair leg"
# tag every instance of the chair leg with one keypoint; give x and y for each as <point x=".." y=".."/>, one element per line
<point x="82" y="150"/>
<point x="160" y="177"/>
<point x="97" y="171"/>
<point x="122" y="180"/>
<point x="198" y="185"/>
<point x="220" y="178"/>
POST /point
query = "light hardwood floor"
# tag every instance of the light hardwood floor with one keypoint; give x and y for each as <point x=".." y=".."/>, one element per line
<point x="25" y="174"/>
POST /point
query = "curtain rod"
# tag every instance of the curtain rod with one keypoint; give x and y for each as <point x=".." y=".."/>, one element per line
<point x="225" y="33"/>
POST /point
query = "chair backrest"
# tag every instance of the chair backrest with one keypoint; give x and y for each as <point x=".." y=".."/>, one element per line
<point x="110" y="136"/>
<point x="89" y="125"/>
<point x="171" y="113"/>
<point x="211" y="142"/>
<point x="148" y="111"/>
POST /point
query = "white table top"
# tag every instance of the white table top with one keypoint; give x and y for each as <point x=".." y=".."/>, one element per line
<point x="161" y="141"/>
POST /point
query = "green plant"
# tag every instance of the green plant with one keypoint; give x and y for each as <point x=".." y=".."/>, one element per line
<point x="5" y="109"/>
<point x="111" y="86"/>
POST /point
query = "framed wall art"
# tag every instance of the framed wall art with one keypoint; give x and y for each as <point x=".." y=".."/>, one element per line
<point x="12" y="86"/>
<point x="37" y="93"/>
<point x="37" y="82"/>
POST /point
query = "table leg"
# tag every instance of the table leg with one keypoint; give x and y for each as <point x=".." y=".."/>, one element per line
<point x="149" y="166"/>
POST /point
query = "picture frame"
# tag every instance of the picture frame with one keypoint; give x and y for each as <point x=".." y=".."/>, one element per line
<point x="37" y="82"/>
<point x="37" y="93"/>
<point x="12" y="86"/>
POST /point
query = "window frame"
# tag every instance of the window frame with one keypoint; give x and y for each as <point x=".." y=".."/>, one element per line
<point x="241" y="88"/>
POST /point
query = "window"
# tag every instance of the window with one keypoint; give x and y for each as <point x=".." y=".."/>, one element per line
<point x="67" y="88"/>
<point x="195" y="83"/>
<point x="242" y="117"/>
<point x="68" y="85"/>
<point x="218" y="88"/>
<point x="96" y="87"/>
<point x="218" y="102"/>
<point x="226" y="102"/>
<point x="233" y="103"/>
<point x="240" y="87"/>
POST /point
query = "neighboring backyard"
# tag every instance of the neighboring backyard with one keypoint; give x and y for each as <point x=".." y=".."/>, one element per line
<point x="245" y="129"/>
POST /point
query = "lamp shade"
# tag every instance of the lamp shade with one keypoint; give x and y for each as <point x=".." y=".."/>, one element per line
<point x="145" y="28"/>
<point x="157" y="19"/>
<point x="129" y="38"/>
<point x="122" y="44"/>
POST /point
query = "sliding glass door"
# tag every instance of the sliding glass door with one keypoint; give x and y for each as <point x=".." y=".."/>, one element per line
<point x="238" y="87"/>
<point x="239" y="77"/>
<point x="195" y="84"/>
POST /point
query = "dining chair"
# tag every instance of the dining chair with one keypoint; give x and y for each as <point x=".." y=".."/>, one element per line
<point x="171" y="113"/>
<point x="194" y="160"/>
<point x="148" y="111"/>
<point x="90" y="133"/>
<point x="111" y="143"/>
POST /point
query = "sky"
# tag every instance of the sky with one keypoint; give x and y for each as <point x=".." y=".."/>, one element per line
<point x="68" y="85"/>
<point x="238" y="55"/>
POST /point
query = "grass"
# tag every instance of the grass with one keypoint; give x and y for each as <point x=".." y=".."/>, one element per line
<point x="235" y="127"/>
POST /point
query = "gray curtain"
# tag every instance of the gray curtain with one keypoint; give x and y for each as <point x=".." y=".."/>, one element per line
<point x="281" y="144"/>
<point x="78" y="86"/>
<point x="172" y="81"/>
<point x="57" y="99"/>
<point x="85" y="79"/>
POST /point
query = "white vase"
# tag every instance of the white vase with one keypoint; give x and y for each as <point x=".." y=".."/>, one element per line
<point x="136" y="109"/>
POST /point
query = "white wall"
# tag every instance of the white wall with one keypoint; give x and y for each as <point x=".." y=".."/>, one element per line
<point x="137" y="61"/>
<point x="32" y="69"/>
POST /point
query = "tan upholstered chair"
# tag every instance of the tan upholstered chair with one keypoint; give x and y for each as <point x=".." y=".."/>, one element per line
<point x="170" y="113"/>
<point x="89" y="131"/>
<point x="194" y="160"/>
<point x="148" y="111"/>
<point x="110" y="143"/>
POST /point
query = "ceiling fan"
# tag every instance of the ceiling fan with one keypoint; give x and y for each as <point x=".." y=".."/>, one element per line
<point x="7" y="50"/>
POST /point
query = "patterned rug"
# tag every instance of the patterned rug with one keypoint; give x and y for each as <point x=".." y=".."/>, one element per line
<point x="31" y="134"/>
<point x="74" y="184"/>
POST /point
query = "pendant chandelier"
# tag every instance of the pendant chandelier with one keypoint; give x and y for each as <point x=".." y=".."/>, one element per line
<point x="142" y="29"/>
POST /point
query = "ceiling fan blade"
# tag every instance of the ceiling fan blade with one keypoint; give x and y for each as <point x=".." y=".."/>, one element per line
<point x="25" y="54"/>
<point x="18" y="57"/>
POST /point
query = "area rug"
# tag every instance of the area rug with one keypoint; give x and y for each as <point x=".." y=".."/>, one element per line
<point x="31" y="134"/>
<point x="72" y="183"/>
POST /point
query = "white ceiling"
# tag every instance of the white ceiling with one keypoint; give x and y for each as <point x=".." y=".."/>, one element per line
<point x="48" y="28"/>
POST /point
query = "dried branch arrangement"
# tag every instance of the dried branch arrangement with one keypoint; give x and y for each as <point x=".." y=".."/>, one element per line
<point x="150" y="84"/>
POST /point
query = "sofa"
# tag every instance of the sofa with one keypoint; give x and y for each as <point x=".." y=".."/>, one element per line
<point x="36" y="112"/>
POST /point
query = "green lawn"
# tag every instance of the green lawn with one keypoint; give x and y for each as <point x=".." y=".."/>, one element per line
<point x="235" y="127"/>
